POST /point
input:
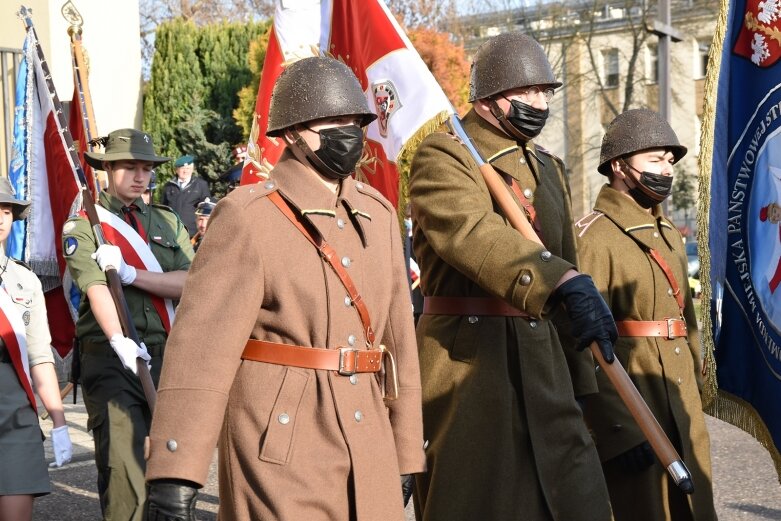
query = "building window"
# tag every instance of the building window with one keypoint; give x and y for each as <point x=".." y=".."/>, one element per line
<point x="610" y="68"/>
<point x="653" y="64"/>
<point x="702" y="59"/>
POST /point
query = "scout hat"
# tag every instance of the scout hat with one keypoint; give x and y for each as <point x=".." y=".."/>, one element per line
<point x="19" y="208"/>
<point x="205" y="207"/>
<point x="183" y="160"/>
<point x="509" y="61"/>
<point x="634" y="131"/>
<point x="126" y="143"/>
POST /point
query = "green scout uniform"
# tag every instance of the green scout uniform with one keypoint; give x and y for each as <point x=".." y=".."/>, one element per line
<point x="507" y="439"/>
<point x="118" y="413"/>
<point x="612" y="245"/>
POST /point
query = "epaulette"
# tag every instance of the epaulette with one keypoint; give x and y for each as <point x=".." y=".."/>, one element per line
<point x="584" y="222"/>
<point x="21" y="263"/>
<point x="372" y="192"/>
<point x="548" y="153"/>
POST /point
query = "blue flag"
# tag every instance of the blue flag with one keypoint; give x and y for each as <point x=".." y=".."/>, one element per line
<point x="742" y="301"/>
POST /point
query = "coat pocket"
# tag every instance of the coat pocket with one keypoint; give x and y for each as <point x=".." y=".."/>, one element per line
<point x="469" y="335"/>
<point x="276" y="446"/>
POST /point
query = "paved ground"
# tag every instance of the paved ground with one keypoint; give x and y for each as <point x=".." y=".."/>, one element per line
<point x="745" y="482"/>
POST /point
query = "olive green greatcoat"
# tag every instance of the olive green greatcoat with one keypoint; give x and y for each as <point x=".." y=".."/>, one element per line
<point x="507" y="440"/>
<point x="294" y="443"/>
<point x="612" y="243"/>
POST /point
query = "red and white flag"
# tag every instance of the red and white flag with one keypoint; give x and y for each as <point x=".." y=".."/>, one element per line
<point x="42" y="172"/>
<point x="398" y="86"/>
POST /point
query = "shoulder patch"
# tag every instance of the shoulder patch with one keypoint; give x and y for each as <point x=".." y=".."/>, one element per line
<point x="583" y="224"/>
<point x="69" y="246"/>
<point x="372" y="192"/>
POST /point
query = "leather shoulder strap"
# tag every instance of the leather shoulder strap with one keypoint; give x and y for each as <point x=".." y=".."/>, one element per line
<point x="657" y="257"/>
<point x="329" y="254"/>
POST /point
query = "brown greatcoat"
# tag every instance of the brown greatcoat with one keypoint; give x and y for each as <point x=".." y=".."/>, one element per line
<point x="293" y="443"/>
<point x="507" y="438"/>
<point x="612" y="243"/>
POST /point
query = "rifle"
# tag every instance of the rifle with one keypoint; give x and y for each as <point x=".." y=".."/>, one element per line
<point x="615" y="372"/>
<point x="112" y="277"/>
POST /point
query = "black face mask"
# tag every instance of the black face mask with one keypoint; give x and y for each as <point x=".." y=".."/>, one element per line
<point x="340" y="149"/>
<point x="526" y="119"/>
<point x="652" y="189"/>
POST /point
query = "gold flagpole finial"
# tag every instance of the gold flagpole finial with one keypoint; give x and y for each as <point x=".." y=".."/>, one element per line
<point x="73" y="17"/>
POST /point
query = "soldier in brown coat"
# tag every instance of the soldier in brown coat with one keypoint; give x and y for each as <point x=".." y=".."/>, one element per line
<point x="636" y="257"/>
<point x="312" y="387"/>
<point x="507" y="439"/>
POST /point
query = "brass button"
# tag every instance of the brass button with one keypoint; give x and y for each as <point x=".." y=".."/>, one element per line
<point x="656" y="235"/>
<point x="680" y="381"/>
<point x="670" y="291"/>
<point x="522" y="161"/>
<point x="358" y="416"/>
<point x="526" y="279"/>
<point x="283" y="418"/>
<point x="348" y="301"/>
<point x="351" y="340"/>
<point x="677" y="350"/>
<point x="340" y="223"/>
<point x="527" y="193"/>
<point x="533" y="324"/>
<point x="472" y="319"/>
<point x="171" y="445"/>
<point x="546" y="255"/>
<point x="268" y="185"/>
<point x="354" y="379"/>
<point x="346" y="262"/>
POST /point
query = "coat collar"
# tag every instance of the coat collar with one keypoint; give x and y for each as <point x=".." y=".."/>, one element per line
<point x="114" y="205"/>
<point x="502" y="151"/>
<point x="313" y="200"/>
<point x="633" y="219"/>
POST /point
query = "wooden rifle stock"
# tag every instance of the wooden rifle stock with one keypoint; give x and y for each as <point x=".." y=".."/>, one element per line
<point x="112" y="277"/>
<point x="615" y="372"/>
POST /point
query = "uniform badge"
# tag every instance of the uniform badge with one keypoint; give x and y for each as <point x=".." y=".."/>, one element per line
<point x="70" y="246"/>
<point x="26" y="318"/>
<point x="386" y="103"/>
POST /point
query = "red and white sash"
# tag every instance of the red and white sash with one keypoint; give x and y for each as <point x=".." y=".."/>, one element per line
<point x="136" y="253"/>
<point x="14" y="335"/>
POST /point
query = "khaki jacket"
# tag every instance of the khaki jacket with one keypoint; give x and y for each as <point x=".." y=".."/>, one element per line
<point x="507" y="439"/>
<point x="292" y="441"/>
<point x="612" y="242"/>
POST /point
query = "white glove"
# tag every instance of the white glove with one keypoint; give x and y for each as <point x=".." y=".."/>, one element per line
<point x="128" y="351"/>
<point x="109" y="256"/>
<point x="63" y="448"/>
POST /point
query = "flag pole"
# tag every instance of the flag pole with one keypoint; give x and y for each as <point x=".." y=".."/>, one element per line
<point x="112" y="277"/>
<point x="615" y="372"/>
<point x="81" y="80"/>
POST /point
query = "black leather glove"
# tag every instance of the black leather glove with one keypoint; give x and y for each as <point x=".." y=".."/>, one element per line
<point x="637" y="459"/>
<point x="407" y="484"/>
<point x="171" y="500"/>
<point x="591" y="318"/>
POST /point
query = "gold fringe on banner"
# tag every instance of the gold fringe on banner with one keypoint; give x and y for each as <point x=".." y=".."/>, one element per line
<point x="717" y="403"/>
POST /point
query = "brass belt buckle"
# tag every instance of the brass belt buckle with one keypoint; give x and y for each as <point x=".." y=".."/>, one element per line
<point x="670" y="334"/>
<point x="342" y="352"/>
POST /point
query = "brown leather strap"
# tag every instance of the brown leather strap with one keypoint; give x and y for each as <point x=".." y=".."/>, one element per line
<point x="345" y="360"/>
<point x="480" y="306"/>
<point x="670" y="328"/>
<point x="528" y="207"/>
<point x="656" y="256"/>
<point x="329" y="254"/>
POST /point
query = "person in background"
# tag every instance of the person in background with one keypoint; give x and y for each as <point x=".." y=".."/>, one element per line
<point x="202" y="213"/>
<point x="184" y="192"/>
<point x="26" y="363"/>
<point x="149" y="194"/>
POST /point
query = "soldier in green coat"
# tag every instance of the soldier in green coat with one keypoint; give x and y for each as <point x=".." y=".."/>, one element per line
<point x="506" y="438"/>
<point x="637" y="259"/>
<point x="152" y="255"/>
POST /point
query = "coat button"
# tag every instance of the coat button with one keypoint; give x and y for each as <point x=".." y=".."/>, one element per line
<point x="677" y="350"/>
<point x="526" y="279"/>
<point x="268" y="185"/>
<point x="680" y="381"/>
<point x="533" y="324"/>
<point x="359" y="185"/>
<point x="670" y="291"/>
<point x="346" y="262"/>
<point x="617" y="427"/>
<point x="340" y="224"/>
<point x="425" y="444"/>
<point x="283" y="418"/>
<point x="358" y="416"/>
<point x="472" y="319"/>
<point x="351" y="340"/>
<point x="348" y="301"/>
<point x="545" y="256"/>
<point x="656" y="235"/>
<point x="527" y="193"/>
<point x="522" y="161"/>
<point x="171" y="445"/>
<point x="354" y="379"/>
